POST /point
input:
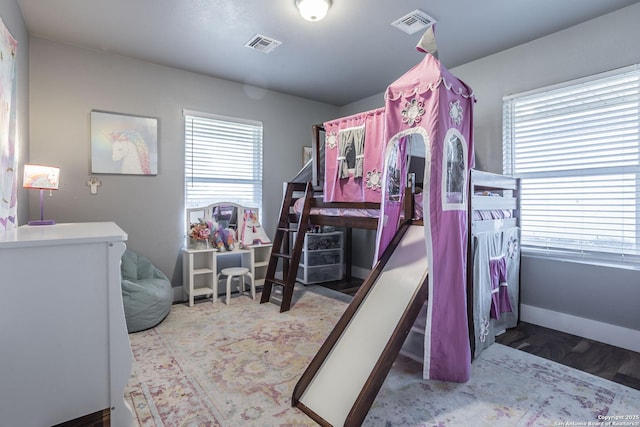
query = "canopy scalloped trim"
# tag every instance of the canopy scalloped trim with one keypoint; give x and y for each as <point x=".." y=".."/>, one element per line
<point x="354" y="117"/>
<point x="394" y="95"/>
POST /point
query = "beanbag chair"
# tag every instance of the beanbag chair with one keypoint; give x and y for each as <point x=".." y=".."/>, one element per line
<point x="146" y="292"/>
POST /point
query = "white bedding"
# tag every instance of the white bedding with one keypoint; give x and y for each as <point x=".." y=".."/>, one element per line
<point x="362" y="213"/>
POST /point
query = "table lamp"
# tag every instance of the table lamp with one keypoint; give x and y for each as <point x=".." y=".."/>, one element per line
<point x="41" y="178"/>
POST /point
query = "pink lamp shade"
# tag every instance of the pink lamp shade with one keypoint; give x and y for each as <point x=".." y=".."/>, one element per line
<point x="41" y="178"/>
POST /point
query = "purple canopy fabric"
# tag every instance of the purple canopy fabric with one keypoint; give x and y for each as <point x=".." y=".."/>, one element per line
<point x="429" y="104"/>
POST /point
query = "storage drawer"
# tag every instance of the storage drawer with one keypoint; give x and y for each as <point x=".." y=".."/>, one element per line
<point x="320" y="241"/>
<point x="327" y="257"/>
<point x="329" y="273"/>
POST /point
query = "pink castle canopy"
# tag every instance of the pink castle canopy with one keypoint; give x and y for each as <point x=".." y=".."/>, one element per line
<point x="428" y="104"/>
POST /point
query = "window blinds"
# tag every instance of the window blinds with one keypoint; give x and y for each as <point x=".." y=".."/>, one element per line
<point x="575" y="148"/>
<point x="223" y="160"/>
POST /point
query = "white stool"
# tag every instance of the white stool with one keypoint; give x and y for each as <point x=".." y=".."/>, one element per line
<point x="240" y="273"/>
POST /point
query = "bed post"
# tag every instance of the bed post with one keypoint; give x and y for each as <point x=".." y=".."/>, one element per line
<point x="408" y="204"/>
<point x="348" y="256"/>
<point x="315" y="155"/>
<point x="472" y="337"/>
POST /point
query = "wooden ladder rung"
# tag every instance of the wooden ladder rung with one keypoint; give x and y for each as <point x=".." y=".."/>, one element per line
<point x="277" y="281"/>
<point x="288" y="230"/>
<point x="280" y="255"/>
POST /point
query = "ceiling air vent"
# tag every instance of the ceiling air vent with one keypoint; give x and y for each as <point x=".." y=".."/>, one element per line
<point x="414" y="22"/>
<point x="262" y="44"/>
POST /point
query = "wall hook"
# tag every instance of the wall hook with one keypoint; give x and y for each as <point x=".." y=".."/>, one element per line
<point x="94" y="183"/>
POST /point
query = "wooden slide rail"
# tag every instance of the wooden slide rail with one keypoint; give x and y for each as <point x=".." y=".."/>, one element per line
<point x="378" y="374"/>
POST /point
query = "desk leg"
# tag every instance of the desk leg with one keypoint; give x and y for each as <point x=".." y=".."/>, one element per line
<point x="348" y="253"/>
<point x="191" y="285"/>
<point x="188" y="277"/>
<point x="214" y="267"/>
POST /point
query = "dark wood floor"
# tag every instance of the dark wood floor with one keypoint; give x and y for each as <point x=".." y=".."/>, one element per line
<point x="349" y="287"/>
<point x="97" y="419"/>
<point x="603" y="360"/>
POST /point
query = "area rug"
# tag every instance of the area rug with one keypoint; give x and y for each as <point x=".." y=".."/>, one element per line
<point x="218" y="365"/>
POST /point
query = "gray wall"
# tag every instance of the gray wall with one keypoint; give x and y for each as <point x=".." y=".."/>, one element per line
<point x="605" y="294"/>
<point x="68" y="82"/>
<point x="12" y="18"/>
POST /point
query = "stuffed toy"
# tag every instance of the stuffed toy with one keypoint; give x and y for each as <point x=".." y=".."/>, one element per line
<point x="216" y="239"/>
<point x="224" y="239"/>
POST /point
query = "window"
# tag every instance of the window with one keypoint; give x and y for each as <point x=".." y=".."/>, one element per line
<point x="351" y="147"/>
<point x="454" y="170"/>
<point x="223" y="160"/>
<point x="576" y="149"/>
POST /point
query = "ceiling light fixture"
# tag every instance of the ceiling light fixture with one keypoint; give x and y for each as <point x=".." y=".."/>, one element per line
<point x="313" y="10"/>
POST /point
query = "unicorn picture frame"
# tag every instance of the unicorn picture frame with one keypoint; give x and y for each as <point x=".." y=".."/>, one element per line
<point x="123" y="144"/>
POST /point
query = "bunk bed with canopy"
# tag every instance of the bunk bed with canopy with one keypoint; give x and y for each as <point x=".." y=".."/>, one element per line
<point x="363" y="170"/>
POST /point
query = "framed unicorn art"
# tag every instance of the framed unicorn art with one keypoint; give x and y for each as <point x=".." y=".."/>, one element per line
<point x="123" y="144"/>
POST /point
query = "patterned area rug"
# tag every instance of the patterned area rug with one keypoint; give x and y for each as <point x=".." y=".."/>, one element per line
<point x="508" y="387"/>
<point x="236" y="365"/>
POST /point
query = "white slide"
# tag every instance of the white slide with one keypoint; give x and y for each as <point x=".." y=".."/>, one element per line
<point x="359" y="354"/>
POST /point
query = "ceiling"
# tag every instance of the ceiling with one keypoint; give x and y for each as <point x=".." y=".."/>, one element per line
<point x="351" y="54"/>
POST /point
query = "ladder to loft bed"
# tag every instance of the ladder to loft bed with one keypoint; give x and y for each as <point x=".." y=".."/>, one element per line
<point x="281" y="245"/>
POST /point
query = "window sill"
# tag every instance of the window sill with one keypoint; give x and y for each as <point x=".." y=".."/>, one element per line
<point x="631" y="264"/>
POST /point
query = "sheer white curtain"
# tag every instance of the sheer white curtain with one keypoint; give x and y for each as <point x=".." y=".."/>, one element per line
<point x="352" y="137"/>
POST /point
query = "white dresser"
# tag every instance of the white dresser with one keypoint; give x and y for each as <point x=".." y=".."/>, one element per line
<point x="64" y="348"/>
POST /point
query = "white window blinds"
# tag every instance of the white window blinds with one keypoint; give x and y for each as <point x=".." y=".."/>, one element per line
<point x="223" y="160"/>
<point x="576" y="149"/>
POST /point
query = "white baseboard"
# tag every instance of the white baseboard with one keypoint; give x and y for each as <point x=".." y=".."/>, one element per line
<point x="610" y="334"/>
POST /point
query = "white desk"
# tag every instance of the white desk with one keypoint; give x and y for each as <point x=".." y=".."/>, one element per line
<point x="64" y="349"/>
<point x="200" y="268"/>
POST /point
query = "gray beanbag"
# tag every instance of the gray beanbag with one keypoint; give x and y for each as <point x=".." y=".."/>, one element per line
<point x="146" y="292"/>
